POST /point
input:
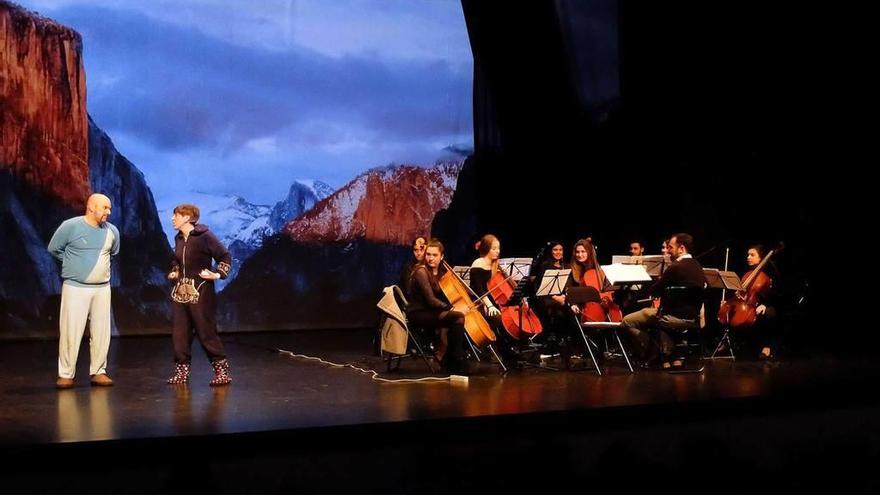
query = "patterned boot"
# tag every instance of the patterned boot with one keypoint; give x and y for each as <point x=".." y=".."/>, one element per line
<point x="181" y="374"/>
<point x="221" y="373"/>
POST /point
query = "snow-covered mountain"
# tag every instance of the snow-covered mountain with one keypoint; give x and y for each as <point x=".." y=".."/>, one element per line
<point x="232" y="219"/>
<point x="303" y="195"/>
<point x="240" y="225"/>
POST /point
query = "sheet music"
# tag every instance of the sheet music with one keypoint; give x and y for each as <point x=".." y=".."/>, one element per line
<point x="731" y="280"/>
<point x="463" y="271"/>
<point x="653" y="263"/>
<point x="617" y="274"/>
<point x="553" y="282"/>
<point x="718" y="279"/>
<point x="517" y="267"/>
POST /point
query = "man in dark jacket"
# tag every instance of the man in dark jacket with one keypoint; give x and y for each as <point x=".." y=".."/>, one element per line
<point x="685" y="272"/>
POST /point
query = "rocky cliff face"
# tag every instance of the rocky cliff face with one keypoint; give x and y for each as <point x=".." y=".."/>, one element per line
<point x="139" y="271"/>
<point x="52" y="156"/>
<point x="389" y="205"/>
<point x="328" y="266"/>
<point x="43" y="120"/>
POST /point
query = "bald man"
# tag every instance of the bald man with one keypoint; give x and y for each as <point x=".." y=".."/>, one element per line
<point x="84" y="246"/>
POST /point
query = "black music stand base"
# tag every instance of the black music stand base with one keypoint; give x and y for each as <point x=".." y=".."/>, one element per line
<point x="725" y="339"/>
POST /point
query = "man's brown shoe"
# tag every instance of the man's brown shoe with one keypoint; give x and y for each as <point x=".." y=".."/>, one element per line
<point x="102" y="380"/>
<point x="64" y="382"/>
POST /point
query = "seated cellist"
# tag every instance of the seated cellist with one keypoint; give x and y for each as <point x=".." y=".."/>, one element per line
<point x="429" y="308"/>
<point x="759" y="339"/>
<point x="586" y="272"/>
<point x="482" y="270"/>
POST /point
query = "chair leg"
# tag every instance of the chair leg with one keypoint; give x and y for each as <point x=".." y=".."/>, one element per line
<point x="474" y="350"/>
<point x="390" y="364"/>
<point x="623" y="351"/>
<point x="421" y="352"/>
<point x="498" y="358"/>
<point x="587" y="345"/>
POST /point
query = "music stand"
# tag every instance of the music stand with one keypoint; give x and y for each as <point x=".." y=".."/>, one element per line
<point x="654" y="264"/>
<point x="517" y="268"/>
<point x="619" y="275"/>
<point x="724" y="280"/>
<point x="554" y="282"/>
<point x="463" y="272"/>
<point x="719" y="279"/>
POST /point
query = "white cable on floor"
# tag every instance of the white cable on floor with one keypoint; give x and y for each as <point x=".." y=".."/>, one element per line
<point x="374" y="374"/>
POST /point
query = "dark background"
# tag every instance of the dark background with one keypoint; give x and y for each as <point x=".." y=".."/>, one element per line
<point x="719" y="131"/>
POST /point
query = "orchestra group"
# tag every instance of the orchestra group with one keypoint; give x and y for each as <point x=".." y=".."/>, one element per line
<point x="463" y="315"/>
<point x="491" y="310"/>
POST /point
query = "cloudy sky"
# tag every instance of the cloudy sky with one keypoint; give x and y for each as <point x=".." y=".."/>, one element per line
<point x="238" y="97"/>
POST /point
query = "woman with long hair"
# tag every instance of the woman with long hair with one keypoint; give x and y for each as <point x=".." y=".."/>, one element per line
<point x="482" y="271"/>
<point x="429" y="308"/>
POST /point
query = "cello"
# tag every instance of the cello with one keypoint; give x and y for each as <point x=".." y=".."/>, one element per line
<point x="607" y="310"/>
<point x="515" y="319"/>
<point x="740" y="309"/>
<point x="459" y="295"/>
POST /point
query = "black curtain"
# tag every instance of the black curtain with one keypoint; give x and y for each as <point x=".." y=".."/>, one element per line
<point x="710" y="133"/>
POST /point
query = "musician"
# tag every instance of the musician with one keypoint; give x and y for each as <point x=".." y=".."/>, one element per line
<point x="628" y="300"/>
<point x="664" y="248"/>
<point x="585" y="271"/>
<point x="553" y="308"/>
<point x="418" y="257"/>
<point x="763" y="334"/>
<point x="429" y="308"/>
<point x="560" y="315"/>
<point x="685" y="271"/>
<point x="581" y="261"/>
<point x="636" y="248"/>
<point x="482" y="270"/>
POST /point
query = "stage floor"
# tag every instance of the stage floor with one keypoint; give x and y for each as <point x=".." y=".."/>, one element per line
<point x="294" y="426"/>
<point x="273" y="392"/>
